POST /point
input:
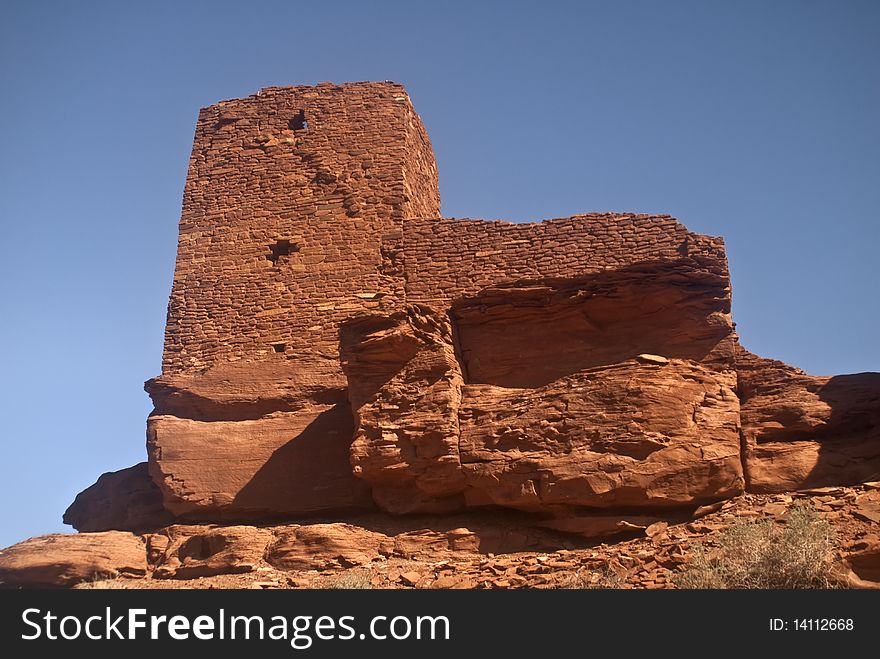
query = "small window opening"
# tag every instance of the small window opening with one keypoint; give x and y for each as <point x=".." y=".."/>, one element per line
<point x="279" y="347"/>
<point x="281" y="248"/>
<point x="299" y="121"/>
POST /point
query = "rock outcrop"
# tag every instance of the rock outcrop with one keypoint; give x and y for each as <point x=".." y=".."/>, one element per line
<point x="490" y="550"/>
<point x="61" y="560"/>
<point x="804" y="431"/>
<point x="334" y="348"/>
<point x="125" y="500"/>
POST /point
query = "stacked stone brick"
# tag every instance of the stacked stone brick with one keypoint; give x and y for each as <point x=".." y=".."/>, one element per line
<point x="318" y="174"/>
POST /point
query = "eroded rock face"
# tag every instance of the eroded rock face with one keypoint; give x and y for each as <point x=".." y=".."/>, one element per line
<point x="61" y="560"/>
<point x="405" y="389"/>
<point x="864" y="566"/>
<point x="125" y="500"/>
<point x="318" y="546"/>
<point x="529" y="334"/>
<point x="628" y="435"/>
<point x="487" y="549"/>
<point x="286" y="463"/>
<point x="545" y="395"/>
<point x="187" y="552"/>
<point x="807" y="431"/>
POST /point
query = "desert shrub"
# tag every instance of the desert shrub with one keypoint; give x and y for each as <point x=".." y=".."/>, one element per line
<point x="348" y="581"/>
<point x="765" y="554"/>
<point x="604" y="579"/>
<point x="102" y="582"/>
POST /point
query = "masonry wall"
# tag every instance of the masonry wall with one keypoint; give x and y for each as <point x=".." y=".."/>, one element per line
<point x="446" y="259"/>
<point x="288" y="194"/>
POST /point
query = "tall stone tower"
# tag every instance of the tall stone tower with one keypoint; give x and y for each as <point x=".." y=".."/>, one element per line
<point x="289" y="197"/>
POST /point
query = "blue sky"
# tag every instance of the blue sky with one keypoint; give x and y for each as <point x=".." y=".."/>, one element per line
<point x="752" y="120"/>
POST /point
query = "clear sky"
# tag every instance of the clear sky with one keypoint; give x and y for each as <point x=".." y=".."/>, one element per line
<point x="753" y="120"/>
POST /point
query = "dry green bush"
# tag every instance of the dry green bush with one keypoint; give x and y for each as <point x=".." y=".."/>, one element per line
<point x="102" y="582"/>
<point x="604" y="579"/>
<point x="765" y="554"/>
<point x="348" y="581"/>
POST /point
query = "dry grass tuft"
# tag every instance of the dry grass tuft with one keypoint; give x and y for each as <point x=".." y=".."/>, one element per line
<point x="102" y="582"/>
<point x="605" y="579"/>
<point x="765" y="554"/>
<point x="348" y="581"/>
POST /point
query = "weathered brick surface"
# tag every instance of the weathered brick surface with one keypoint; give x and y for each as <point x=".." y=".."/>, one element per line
<point x="446" y="259"/>
<point x="331" y="188"/>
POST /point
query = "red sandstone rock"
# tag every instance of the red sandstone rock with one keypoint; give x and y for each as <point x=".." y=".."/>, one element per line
<point x="626" y="435"/>
<point x="125" y="500"/>
<point x="411" y="578"/>
<point x="64" y="560"/>
<point x="281" y="464"/>
<point x="865" y="564"/>
<point x="405" y="388"/>
<point x="194" y="551"/>
<point x="560" y="420"/>
<point x="318" y="546"/>
<point x="237" y="391"/>
<point x="599" y="526"/>
<point x="805" y="431"/>
<point x="635" y="433"/>
<point x="528" y="334"/>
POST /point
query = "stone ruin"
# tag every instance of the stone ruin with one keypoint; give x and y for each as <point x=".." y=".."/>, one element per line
<point x="334" y="347"/>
